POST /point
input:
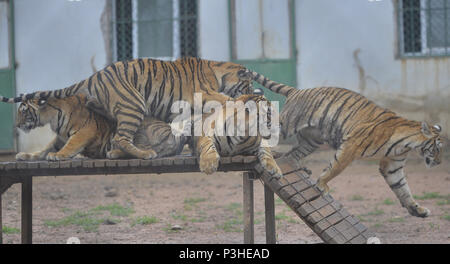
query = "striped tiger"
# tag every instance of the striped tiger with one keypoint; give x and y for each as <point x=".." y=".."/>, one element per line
<point x="357" y="128"/>
<point x="79" y="130"/>
<point x="126" y="91"/>
<point x="212" y="146"/>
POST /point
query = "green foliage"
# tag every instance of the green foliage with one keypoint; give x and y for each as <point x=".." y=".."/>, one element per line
<point x="10" y="230"/>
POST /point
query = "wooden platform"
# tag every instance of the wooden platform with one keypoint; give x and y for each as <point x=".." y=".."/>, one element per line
<point x="329" y="220"/>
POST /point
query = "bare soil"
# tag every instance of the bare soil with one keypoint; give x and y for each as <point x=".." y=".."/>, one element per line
<point x="197" y="208"/>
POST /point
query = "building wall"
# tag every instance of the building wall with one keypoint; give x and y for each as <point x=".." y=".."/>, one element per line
<point x="55" y="41"/>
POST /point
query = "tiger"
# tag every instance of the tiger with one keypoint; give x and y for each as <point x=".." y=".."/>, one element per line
<point x="81" y="130"/>
<point x="127" y="91"/>
<point x="212" y="146"/>
<point x="356" y="128"/>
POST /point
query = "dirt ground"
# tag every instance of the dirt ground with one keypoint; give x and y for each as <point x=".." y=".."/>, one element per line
<point x="197" y="208"/>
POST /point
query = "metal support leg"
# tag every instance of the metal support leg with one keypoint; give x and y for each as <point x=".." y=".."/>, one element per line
<point x="27" y="205"/>
<point x="270" y="215"/>
<point x="249" y="237"/>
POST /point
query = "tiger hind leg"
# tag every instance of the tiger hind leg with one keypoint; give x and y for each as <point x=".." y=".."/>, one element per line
<point x="308" y="140"/>
<point x="127" y="126"/>
<point x="394" y="175"/>
<point x="342" y="158"/>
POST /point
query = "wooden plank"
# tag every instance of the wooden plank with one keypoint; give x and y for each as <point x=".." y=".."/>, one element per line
<point x="156" y="162"/>
<point x="168" y="161"/>
<point x="65" y="164"/>
<point x="27" y="210"/>
<point x="134" y="163"/>
<point x="247" y="187"/>
<point x="191" y="161"/>
<point x="249" y="159"/>
<point x="237" y="159"/>
<point x="122" y="163"/>
<point x="21" y="165"/>
<point x="10" y="166"/>
<point x="43" y="164"/>
<point x="99" y="163"/>
<point x="269" y="215"/>
<point x="111" y="163"/>
<point x="53" y="165"/>
<point x="77" y="163"/>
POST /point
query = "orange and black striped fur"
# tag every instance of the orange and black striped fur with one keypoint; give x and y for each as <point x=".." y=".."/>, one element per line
<point x="211" y="146"/>
<point x="357" y="128"/>
<point x="126" y="91"/>
<point x="82" y="131"/>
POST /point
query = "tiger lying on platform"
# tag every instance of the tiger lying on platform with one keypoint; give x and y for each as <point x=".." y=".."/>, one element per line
<point x="357" y="128"/>
<point x="80" y="130"/>
<point x="126" y="91"/>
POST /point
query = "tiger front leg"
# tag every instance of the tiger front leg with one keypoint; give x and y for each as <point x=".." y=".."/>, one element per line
<point x="208" y="156"/>
<point x="54" y="145"/>
<point x="268" y="162"/>
<point x="393" y="173"/>
<point x="75" y="145"/>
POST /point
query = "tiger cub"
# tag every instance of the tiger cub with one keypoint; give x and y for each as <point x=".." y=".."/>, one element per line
<point x="127" y="91"/>
<point x="357" y="128"/>
<point x="82" y="131"/>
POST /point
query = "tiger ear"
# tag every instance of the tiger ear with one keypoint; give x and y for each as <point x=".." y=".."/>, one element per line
<point x="426" y="130"/>
<point x="438" y="128"/>
<point x="244" y="75"/>
<point x="42" y="102"/>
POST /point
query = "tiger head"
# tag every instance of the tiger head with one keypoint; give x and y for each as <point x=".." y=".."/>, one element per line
<point x="266" y="123"/>
<point x="431" y="148"/>
<point x="232" y="82"/>
<point x="30" y="114"/>
<point x="34" y="113"/>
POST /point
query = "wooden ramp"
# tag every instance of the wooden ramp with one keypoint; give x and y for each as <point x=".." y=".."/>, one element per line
<point x="325" y="216"/>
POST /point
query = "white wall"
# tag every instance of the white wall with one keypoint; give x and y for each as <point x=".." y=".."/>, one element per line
<point x="213" y="30"/>
<point x="55" y="40"/>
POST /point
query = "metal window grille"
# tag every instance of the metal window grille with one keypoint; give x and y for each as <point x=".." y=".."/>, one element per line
<point x="154" y="28"/>
<point x="424" y="28"/>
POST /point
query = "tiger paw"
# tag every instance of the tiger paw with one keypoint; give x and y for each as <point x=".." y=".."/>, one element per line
<point x="419" y="211"/>
<point x="115" y="154"/>
<point x="149" y="154"/>
<point x="272" y="168"/>
<point x="26" y="156"/>
<point x="209" y="162"/>
<point x="55" y="156"/>
<point x="323" y="187"/>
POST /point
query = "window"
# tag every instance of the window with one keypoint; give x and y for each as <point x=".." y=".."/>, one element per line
<point x="165" y="29"/>
<point x="424" y="28"/>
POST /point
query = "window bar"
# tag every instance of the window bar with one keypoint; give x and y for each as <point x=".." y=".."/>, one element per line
<point x="428" y="9"/>
<point x="446" y="27"/>
<point x="411" y="25"/>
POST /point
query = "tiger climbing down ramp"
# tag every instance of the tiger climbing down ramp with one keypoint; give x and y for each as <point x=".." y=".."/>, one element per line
<point x="325" y="216"/>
